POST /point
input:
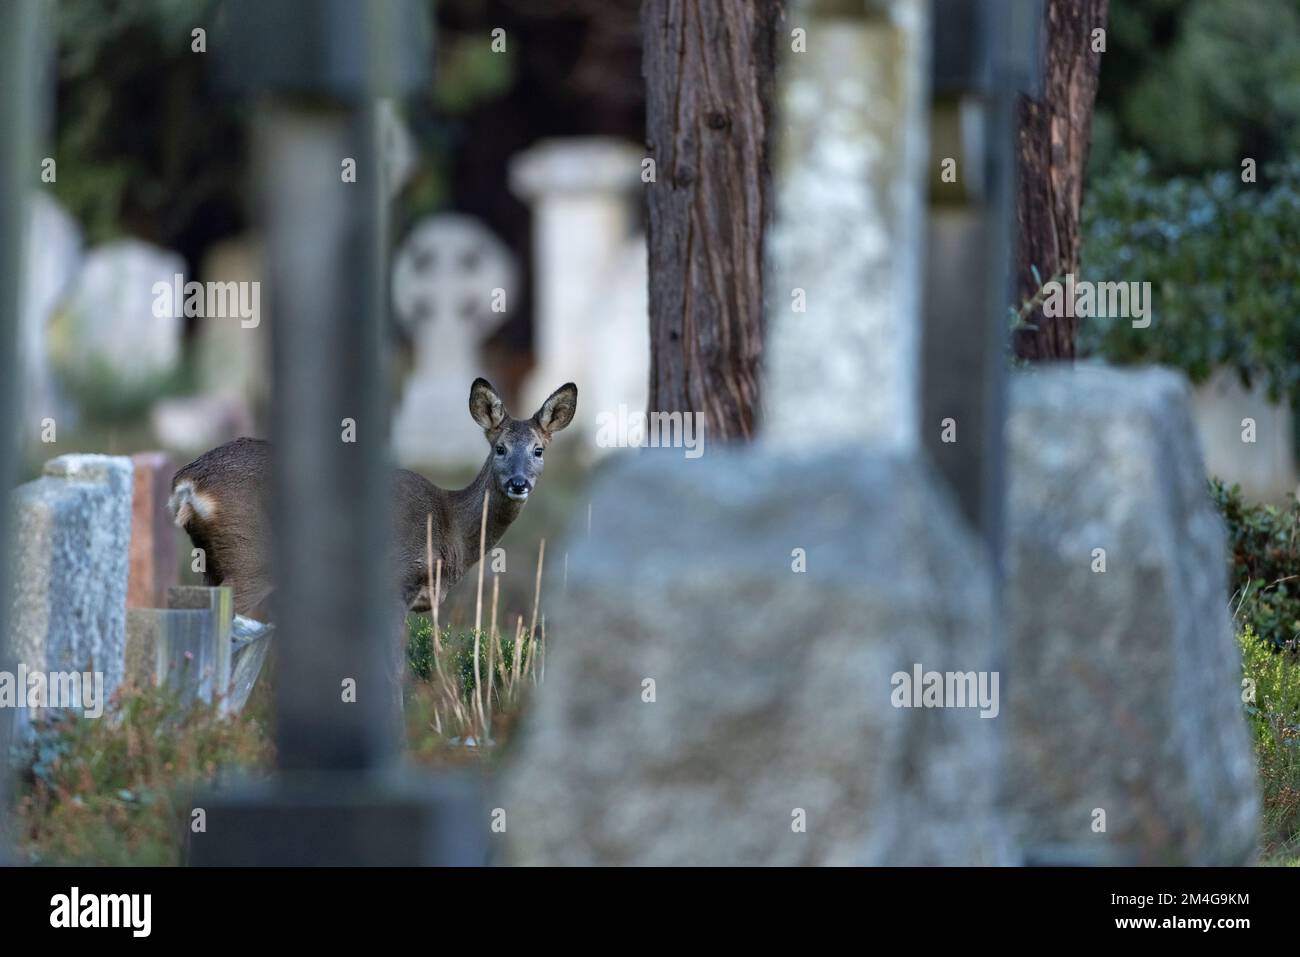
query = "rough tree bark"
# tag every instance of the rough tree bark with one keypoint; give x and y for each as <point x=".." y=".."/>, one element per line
<point x="1054" y="133"/>
<point x="708" y="69"/>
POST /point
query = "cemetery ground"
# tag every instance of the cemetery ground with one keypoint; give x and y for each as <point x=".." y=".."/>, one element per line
<point x="118" y="790"/>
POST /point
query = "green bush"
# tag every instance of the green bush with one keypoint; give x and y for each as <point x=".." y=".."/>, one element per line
<point x="1219" y="255"/>
<point x="1264" y="564"/>
<point x="458" y="654"/>
<point x="1271" y="695"/>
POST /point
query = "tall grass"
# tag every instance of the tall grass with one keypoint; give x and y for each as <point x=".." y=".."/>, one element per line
<point x="471" y="684"/>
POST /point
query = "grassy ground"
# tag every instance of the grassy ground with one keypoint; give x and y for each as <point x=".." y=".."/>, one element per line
<point x="1271" y="696"/>
<point x="118" y="790"/>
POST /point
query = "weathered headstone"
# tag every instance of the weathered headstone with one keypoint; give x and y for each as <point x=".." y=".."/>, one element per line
<point x="1129" y="743"/>
<point x="727" y="681"/>
<point x="590" y="312"/>
<point x="199" y="422"/>
<point x="231" y="355"/>
<point x="153" y="536"/>
<point x="197" y="647"/>
<point x="1248" y="440"/>
<point x="846" y="260"/>
<point x="453" y="282"/>
<point x="72" y="531"/>
<point x="106" y="334"/>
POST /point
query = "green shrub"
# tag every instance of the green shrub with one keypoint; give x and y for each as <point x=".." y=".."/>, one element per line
<point x="1264" y="564"/>
<point x="458" y="654"/>
<point x="1219" y="255"/>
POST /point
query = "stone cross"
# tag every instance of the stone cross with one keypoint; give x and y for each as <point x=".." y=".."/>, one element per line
<point x="453" y="281"/>
<point x="338" y="795"/>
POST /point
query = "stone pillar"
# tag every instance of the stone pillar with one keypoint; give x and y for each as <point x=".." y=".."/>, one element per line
<point x="581" y="195"/>
<point x="846" y="245"/>
<point x="72" y="531"/>
<point x="153" y="536"/>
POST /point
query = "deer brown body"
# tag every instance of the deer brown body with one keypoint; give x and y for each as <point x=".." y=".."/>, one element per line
<point x="220" y="499"/>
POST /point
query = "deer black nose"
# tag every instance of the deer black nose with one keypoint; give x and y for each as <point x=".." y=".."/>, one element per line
<point x="517" y="486"/>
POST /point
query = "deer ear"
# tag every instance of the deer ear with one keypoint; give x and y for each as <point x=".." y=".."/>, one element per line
<point x="557" y="411"/>
<point x="485" y="405"/>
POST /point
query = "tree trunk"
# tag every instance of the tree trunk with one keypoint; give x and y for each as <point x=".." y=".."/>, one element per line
<point x="709" y="70"/>
<point x="1054" y="133"/>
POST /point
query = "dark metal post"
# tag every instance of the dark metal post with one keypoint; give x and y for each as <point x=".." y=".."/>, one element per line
<point x="339" y="797"/>
<point x="983" y="54"/>
<point x="19" y="62"/>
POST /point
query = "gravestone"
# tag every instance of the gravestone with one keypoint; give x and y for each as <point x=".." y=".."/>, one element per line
<point x="590" y="312"/>
<point x="726" y="687"/>
<point x="153" y="536"/>
<point x="1125" y="680"/>
<point x="53" y="260"/>
<point x="1226" y="413"/>
<point x="231" y="356"/>
<point x="106" y="335"/>
<point x="72" y="531"/>
<point x="197" y="647"/>
<point x="186" y="646"/>
<point x="448" y="276"/>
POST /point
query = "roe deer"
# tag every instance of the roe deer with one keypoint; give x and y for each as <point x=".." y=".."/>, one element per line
<point x="220" y="501"/>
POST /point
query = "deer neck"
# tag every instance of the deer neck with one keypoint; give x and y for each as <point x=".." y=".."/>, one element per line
<point x="467" y="506"/>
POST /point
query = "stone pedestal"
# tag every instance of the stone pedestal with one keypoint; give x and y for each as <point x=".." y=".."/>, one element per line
<point x="1129" y="743"/>
<point x="388" y="818"/>
<point x="718" y="683"/>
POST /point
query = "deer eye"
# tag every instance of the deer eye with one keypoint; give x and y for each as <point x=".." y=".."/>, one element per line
<point x="538" y="451"/>
<point x="501" y="450"/>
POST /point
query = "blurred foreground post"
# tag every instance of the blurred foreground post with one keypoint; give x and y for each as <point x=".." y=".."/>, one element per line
<point x="338" y="796"/>
<point x="741" y="629"/>
<point x="19" y="49"/>
<point x="983" y="53"/>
